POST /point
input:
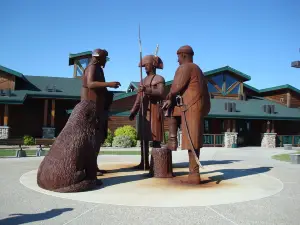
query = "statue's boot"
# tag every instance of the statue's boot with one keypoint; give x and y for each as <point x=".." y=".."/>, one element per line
<point x="172" y="141"/>
<point x="194" y="173"/>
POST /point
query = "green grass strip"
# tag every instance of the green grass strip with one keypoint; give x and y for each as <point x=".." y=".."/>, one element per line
<point x="283" y="157"/>
<point x="12" y="152"/>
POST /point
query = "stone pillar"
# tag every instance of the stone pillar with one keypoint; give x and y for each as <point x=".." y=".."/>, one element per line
<point x="229" y="139"/>
<point x="269" y="140"/>
<point x="48" y="132"/>
<point x="4" y="132"/>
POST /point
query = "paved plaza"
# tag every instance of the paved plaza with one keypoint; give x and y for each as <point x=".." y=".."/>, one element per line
<point x="240" y="186"/>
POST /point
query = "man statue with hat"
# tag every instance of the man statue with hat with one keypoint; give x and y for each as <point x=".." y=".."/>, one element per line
<point x="71" y="164"/>
<point x="153" y="88"/>
<point x="189" y="93"/>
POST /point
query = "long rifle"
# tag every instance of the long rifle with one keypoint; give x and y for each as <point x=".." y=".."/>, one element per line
<point x="142" y="104"/>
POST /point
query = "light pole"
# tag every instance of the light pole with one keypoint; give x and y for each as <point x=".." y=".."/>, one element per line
<point x="296" y="64"/>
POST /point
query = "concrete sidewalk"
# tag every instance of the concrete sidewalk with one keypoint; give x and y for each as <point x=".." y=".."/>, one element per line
<point x="31" y="207"/>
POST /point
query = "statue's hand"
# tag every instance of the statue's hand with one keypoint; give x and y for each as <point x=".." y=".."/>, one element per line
<point x="114" y="84"/>
<point x="141" y="88"/>
<point x="167" y="104"/>
<point x="131" y="117"/>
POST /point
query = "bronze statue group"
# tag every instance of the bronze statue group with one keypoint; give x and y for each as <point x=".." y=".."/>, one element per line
<point x="71" y="164"/>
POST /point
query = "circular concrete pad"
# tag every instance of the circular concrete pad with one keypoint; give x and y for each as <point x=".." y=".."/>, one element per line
<point x="220" y="185"/>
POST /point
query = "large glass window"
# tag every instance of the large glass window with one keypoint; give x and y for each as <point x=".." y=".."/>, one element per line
<point x="211" y="88"/>
<point x="235" y="90"/>
<point x="229" y="81"/>
<point x="206" y="126"/>
<point x="218" y="80"/>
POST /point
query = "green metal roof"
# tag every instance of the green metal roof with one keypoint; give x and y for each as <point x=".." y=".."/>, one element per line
<point x="286" y="86"/>
<point x="35" y="87"/>
<point x="251" y="88"/>
<point x="252" y="109"/>
<point x="230" y="69"/>
<point x="72" y="57"/>
<point x="17" y="97"/>
<point x="12" y="72"/>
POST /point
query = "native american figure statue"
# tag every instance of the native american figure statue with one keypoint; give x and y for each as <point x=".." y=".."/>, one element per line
<point x="189" y="95"/>
<point x="71" y="164"/>
<point x="150" y="126"/>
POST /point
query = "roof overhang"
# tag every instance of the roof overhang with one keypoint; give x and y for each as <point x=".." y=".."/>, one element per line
<point x="78" y="56"/>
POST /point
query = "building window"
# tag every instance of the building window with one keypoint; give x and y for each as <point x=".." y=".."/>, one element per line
<point x="211" y="88"/>
<point x="229" y="81"/>
<point x="235" y="90"/>
<point x="206" y="126"/>
<point x="218" y="80"/>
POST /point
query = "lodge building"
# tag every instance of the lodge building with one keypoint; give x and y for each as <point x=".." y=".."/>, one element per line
<point x="240" y="114"/>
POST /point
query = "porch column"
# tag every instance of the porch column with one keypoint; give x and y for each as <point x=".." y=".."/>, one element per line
<point x="233" y="125"/>
<point x="53" y="113"/>
<point x="268" y="127"/>
<point x="45" y="112"/>
<point x="269" y="138"/>
<point x="273" y="126"/>
<point x="5" y="123"/>
<point x="230" y="137"/>
<point x="4" y="130"/>
<point x="49" y="131"/>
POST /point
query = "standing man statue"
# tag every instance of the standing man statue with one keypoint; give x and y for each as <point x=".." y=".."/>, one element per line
<point x="71" y="164"/>
<point x="189" y="91"/>
<point x="153" y="88"/>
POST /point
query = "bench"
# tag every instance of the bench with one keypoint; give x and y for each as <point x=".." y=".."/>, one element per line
<point x="40" y="142"/>
<point x="288" y="147"/>
<point x="295" y="158"/>
<point x="15" y="141"/>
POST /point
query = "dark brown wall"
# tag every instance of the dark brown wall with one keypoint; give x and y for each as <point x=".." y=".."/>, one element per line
<point x="123" y="104"/>
<point x="114" y="122"/>
<point x="61" y="117"/>
<point x="26" y="119"/>
<point x="295" y="100"/>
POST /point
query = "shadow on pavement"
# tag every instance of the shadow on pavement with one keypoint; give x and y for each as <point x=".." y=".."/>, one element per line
<point x="227" y="174"/>
<point x="20" y="218"/>
<point x="205" y="163"/>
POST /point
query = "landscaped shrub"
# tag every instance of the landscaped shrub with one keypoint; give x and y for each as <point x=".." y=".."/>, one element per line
<point x="122" y="141"/>
<point x="109" y="139"/>
<point x="28" y="140"/>
<point x="129" y="131"/>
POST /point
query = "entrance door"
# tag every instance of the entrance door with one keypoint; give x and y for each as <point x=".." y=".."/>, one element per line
<point x="248" y="135"/>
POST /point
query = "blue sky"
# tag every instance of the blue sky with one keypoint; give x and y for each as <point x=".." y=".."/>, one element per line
<point x="259" y="38"/>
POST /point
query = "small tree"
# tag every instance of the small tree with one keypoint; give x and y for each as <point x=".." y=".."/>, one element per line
<point x="109" y="139"/>
<point x="122" y="141"/>
<point x="28" y="140"/>
<point x="129" y="131"/>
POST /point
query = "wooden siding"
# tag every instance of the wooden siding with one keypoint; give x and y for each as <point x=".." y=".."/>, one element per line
<point x="295" y="100"/>
<point x="7" y="81"/>
<point x="220" y="96"/>
<point x="278" y="97"/>
<point x="124" y="104"/>
<point x="118" y="121"/>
